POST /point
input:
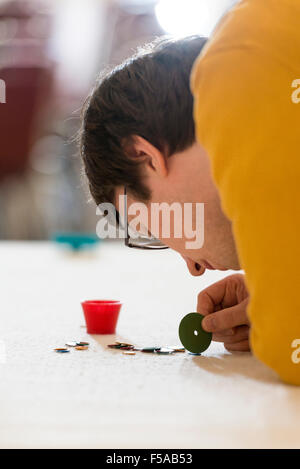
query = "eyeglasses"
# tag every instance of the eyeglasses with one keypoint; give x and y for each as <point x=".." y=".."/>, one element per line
<point x="139" y="241"/>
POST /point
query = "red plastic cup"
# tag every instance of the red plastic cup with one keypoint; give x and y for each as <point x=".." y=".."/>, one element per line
<point x="101" y="316"/>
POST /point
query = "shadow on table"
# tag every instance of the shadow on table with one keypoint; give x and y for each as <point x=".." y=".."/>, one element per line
<point x="106" y="339"/>
<point x="239" y="364"/>
<point x="225" y="364"/>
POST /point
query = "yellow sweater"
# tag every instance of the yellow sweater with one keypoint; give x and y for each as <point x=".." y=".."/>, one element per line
<point x="247" y="121"/>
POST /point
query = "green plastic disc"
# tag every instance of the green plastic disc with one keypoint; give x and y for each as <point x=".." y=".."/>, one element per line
<point x="191" y="334"/>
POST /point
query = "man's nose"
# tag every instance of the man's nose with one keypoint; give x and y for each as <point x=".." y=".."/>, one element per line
<point x="194" y="268"/>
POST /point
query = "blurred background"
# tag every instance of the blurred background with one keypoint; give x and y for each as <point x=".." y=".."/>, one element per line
<point x="51" y="52"/>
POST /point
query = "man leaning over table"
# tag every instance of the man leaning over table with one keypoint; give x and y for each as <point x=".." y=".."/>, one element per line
<point x="217" y="122"/>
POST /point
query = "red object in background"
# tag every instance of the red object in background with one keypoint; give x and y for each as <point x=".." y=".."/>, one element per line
<point x="101" y="316"/>
<point x="25" y="88"/>
<point x="28" y="75"/>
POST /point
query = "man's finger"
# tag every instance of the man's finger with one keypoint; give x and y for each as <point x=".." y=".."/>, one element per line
<point x="226" y="318"/>
<point x="221" y="294"/>
<point x="240" y="333"/>
<point x="212" y="296"/>
<point x="243" y="346"/>
<point x="226" y="333"/>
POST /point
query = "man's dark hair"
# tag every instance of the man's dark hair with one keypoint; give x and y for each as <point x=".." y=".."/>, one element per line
<point x="147" y="95"/>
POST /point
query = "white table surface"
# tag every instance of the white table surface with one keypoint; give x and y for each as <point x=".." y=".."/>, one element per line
<point x="101" y="398"/>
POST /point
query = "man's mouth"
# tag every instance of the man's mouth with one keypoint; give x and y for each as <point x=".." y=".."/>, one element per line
<point x="207" y="265"/>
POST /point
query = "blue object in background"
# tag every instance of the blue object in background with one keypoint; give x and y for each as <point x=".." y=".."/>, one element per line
<point x="76" y="241"/>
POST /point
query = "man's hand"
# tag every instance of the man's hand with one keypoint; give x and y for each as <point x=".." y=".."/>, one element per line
<point x="224" y="304"/>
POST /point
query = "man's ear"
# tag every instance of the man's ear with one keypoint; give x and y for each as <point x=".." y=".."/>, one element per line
<point x="155" y="161"/>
